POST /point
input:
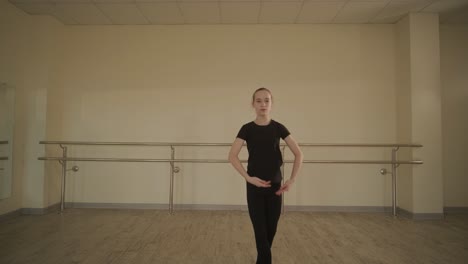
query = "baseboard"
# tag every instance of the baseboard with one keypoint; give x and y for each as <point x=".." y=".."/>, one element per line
<point x="9" y="215"/>
<point x="40" y="211"/>
<point x="429" y="216"/>
<point x="53" y="208"/>
<point x="214" y="207"/>
<point x="364" y="209"/>
<point x="291" y="208"/>
<point x="118" y="205"/>
<point x="351" y="209"/>
<point x="156" y="206"/>
<point x="33" y="211"/>
<point x="455" y="210"/>
<point x="404" y="213"/>
<point x="419" y="216"/>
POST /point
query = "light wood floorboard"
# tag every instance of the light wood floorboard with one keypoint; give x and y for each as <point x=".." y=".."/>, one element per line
<point x="95" y="236"/>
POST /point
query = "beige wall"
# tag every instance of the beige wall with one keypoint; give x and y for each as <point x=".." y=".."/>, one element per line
<point x="403" y="111"/>
<point x="454" y="74"/>
<point x="14" y="27"/>
<point x="426" y="112"/>
<point x="419" y="114"/>
<point x="331" y="83"/>
<point x="26" y="48"/>
<point x="7" y="100"/>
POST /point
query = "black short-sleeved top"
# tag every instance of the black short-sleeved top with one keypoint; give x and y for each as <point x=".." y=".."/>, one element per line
<point x="263" y="144"/>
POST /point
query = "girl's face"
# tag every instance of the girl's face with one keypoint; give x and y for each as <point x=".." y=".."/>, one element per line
<point x="262" y="103"/>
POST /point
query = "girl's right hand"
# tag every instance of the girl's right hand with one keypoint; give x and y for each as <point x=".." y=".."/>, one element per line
<point x="259" y="182"/>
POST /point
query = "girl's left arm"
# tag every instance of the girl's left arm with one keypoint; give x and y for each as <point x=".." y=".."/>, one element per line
<point x="298" y="157"/>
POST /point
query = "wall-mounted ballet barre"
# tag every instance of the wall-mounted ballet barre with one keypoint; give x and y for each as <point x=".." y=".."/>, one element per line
<point x="3" y="142"/>
<point x="3" y="158"/>
<point x="173" y="169"/>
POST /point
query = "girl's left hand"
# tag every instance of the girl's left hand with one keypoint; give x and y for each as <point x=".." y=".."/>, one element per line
<point x="285" y="187"/>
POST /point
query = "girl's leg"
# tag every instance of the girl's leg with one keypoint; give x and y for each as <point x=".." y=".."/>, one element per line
<point x="273" y="212"/>
<point x="257" y="204"/>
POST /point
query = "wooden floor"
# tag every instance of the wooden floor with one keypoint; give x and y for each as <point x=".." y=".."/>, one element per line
<point x="152" y="236"/>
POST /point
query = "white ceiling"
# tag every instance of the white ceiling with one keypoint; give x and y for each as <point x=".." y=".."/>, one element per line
<point x="143" y="12"/>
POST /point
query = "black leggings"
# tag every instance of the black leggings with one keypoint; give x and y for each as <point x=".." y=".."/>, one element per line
<point x="264" y="210"/>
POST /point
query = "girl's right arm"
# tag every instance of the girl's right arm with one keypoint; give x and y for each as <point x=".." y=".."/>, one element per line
<point x="234" y="160"/>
